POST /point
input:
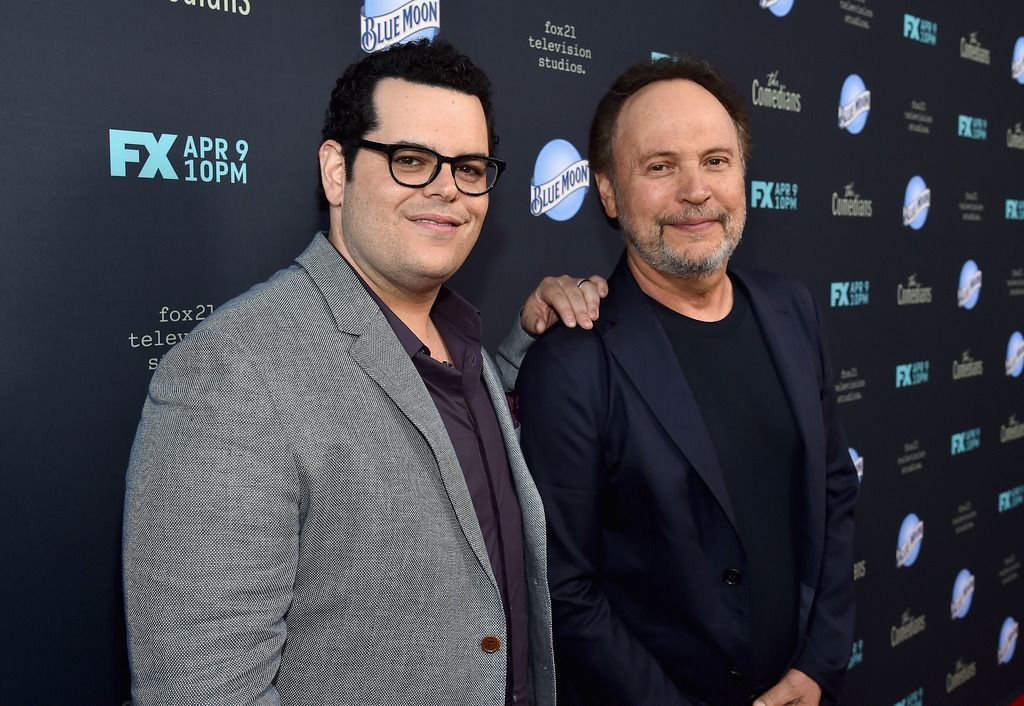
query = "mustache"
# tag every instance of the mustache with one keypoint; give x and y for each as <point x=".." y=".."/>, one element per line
<point x="692" y="212"/>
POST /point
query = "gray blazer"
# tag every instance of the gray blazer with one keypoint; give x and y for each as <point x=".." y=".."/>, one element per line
<point x="297" y="527"/>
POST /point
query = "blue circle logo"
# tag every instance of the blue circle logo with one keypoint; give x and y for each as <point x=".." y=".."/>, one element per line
<point x="779" y="8"/>
<point x="561" y="178"/>
<point x="908" y="544"/>
<point x="384" y="23"/>
<point x="854" y="104"/>
<point x="1015" y="355"/>
<point x="1008" y="640"/>
<point x="858" y="463"/>
<point x="963" y="594"/>
<point x="916" y="201"/>
<point x="1017" y="67"/>
<point x="969" y="290"/>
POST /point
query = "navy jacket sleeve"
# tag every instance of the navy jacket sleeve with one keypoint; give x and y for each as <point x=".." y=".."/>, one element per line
<point x="826" y="649"/>
<point x="563" y="395"/>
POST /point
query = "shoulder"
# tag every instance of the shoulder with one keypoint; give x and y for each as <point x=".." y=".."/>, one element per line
<point x="282" y="301"/>
<point x="563" y="363"/>
<point x="569" y="346"/>
<point x="255" y="323"/>
<point x="771" y="281"/>
<point x="781" y="290"/>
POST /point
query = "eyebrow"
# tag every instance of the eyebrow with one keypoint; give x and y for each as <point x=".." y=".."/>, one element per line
<point x="671" y="153"/>
<point x="411" y="143"/>
<point x="414" y="143"/>
<point x="723" y="148"/>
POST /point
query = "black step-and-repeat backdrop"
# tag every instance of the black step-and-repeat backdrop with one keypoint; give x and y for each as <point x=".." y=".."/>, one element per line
<point x="158" y="157"/>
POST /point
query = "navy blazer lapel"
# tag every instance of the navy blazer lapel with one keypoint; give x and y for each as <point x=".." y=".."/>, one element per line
<point x="637" y="340"/>
<point x="381" y="356"/>
<point x="793" y="351"/>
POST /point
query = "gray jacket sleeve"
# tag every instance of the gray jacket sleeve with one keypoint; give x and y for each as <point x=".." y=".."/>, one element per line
<point x="509" y="355"/>
<point x="210" y="531"/>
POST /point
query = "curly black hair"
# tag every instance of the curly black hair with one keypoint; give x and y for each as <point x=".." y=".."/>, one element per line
<point x="351" y="113"/>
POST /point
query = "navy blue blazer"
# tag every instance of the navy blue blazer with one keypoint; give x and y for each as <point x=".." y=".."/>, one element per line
<point x="643" y="545"/>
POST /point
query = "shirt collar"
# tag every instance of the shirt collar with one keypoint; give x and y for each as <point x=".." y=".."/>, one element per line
<point x="453" y="315"/>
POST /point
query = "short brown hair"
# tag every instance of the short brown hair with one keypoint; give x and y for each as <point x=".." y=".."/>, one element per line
<point x="689" y="68"/>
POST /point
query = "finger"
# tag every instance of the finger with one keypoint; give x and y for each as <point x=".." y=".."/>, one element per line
<point x="552" y="296"/>
<point x="575" y="291"/>
<point x="532" y="323"/>
<point x="601" y="283"/>
<point x="591" y="292"/>
<point x="537" y="316"/>
<point x="565" y="295"/>
<point x="569" y="299"/>
<point x="552" y="319"/>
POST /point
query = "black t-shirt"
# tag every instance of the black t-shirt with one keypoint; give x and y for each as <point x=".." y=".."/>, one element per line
<point x="737" y="389"/>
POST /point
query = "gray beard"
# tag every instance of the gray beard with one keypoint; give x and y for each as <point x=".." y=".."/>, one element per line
<point x="659" y="255"/>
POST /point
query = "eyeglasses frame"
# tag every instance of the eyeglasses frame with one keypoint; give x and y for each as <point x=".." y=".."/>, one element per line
<point x="390" y="149"/>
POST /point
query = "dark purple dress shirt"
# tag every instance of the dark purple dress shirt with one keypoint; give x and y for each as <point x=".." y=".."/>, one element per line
<point x="464" y="404"/>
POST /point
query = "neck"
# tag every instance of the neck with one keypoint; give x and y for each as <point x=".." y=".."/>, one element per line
<point x="412" y="307"/>
<point x="706" y="298"/>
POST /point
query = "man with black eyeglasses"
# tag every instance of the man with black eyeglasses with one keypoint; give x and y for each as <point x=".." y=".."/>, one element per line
<point x="326" y="501"/>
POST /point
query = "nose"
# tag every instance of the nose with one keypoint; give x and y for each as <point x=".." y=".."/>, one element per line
<point x="692" y="187"/>
<point x="443" y="184"/>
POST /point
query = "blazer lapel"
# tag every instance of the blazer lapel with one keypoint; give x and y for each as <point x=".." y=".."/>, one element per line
<point x="637" y="340"/>
<point x="793" y="362"/>
<point x="792" y="352"/>
<point x="380" y="355"/>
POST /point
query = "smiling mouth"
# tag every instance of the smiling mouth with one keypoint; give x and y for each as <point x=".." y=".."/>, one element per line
<point x="694" y="228"/>
<point x="437" y="221"/>
<point x="694" y="222"/>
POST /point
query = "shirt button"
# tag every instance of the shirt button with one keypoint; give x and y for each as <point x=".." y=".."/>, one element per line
<point x="490" y="644"/>
<point x="732" y="576"/>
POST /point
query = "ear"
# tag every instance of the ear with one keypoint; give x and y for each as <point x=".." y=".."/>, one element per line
<point x="606" y="190"/>
<point x="332" y="171"/>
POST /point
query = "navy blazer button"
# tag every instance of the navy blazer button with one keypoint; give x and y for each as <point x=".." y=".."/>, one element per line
<point x="732" y="576"/>
<point x="490" y="644"/>
<point x="735" y="673"/>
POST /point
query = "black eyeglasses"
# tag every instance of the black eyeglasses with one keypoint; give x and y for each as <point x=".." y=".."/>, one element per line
<point x="415" y="167"/>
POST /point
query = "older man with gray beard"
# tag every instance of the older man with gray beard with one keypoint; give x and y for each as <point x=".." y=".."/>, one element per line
<point x="696" y="478"/>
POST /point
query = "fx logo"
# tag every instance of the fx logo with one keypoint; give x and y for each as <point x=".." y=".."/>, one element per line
<point x="903" y="376"/>
<point x="912" y="27"/>
<point x="958" y="443"/>
<point x="964" y="441"/>
<point x="974" y="128"/>
<point x="1014" y="497"/>
<point x="761" y="194"/>
<point x="840" y="294"/>
<point x="157" y="149"/>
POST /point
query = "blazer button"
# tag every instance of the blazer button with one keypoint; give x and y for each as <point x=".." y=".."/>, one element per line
<point x="490" y="644"/>
<point x="732" y="576"/>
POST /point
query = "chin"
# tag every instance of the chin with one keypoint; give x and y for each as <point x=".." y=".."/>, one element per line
<point x="436" y="272"/>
